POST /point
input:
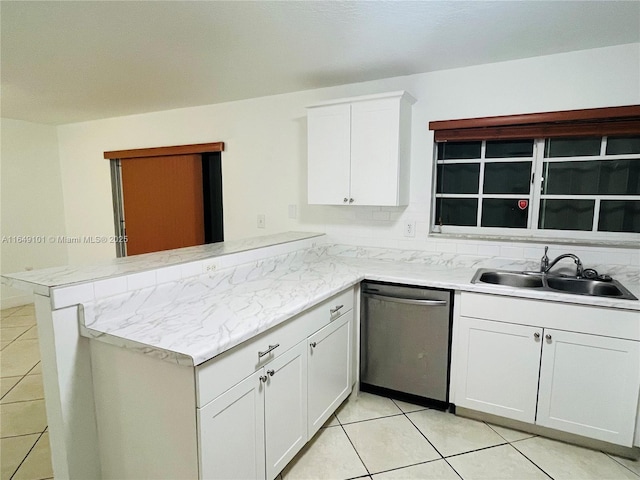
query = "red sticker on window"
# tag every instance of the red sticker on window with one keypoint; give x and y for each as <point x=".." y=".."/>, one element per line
<point x="523" y="204"/>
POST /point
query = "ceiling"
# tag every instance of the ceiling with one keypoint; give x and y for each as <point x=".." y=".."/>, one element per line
<point x="66" y="62"/>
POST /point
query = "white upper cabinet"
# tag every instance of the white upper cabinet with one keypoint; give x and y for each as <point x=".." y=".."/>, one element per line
<point x="359" y="150"/>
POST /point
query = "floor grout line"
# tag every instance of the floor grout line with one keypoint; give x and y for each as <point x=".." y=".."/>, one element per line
<point x="371" y="419"/>
<point x="534" y="463"/>
<point x="11" y="389"/>
<point x="355" y="449"/>
<point x="622" y="464"/>
<point x="25" y="457"/>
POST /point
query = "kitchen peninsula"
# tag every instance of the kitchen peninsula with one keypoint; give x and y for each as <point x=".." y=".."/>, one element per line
<point x="185" y="310"/>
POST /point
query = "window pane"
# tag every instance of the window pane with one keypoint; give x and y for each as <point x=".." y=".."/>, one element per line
<point x="623" y="145"/>
<point x="457" y="211"/>
<point x="619" y="216"/>
<point x="598" y="177"/>
<point x="507" y="177"/>
<point x="566" y="214"/>
<point x="458" y="150"/>
<point x="572" y="147"/>
<point x="503" y="212"/>
<point x="509" y="148"/>
<point x="458" y="178"/>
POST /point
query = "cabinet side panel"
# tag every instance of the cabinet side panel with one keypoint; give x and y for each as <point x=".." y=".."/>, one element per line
<point x="68" y="386"/>
<point x="404" y="154"/>
<point x="146" y="415"/>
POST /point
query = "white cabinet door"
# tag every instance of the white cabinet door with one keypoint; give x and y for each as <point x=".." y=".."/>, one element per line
<point x="375" y="135"/>
<point x="498" y="368"/>
<point x="589" y="385"/>
<point x="231" y="430"/>
<point x="329" y="154"/>
<point x="329" y="370"/>
<point x="285" y="408"/>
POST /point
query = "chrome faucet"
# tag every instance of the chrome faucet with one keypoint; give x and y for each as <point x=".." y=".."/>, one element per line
<point x="579" y="268"/>
<point x="544" y="261"/>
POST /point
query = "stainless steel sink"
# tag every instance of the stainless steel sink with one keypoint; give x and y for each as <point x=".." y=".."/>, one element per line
<point x="553" y="283"/>
<point x="512" y="279"/>
<point x="585" y="286"/>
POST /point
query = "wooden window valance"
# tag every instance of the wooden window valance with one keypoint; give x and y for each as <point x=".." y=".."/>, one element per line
<point x="166" y="151"/>
<point x="624" y="120"/>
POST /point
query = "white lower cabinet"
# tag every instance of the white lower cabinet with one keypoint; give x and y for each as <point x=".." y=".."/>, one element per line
<point x="231" y="427"/>
<point x="257" y="426"/>
<point x="499" y="365"/>
<point x="329" y="380"/>
<point x="582" y="383"/>
<point x="285" y="408"/>
<point x="587" y="385"/>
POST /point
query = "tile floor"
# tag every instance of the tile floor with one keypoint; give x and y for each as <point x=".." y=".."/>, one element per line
<point x="370" y="437"/>
<point x="24" y="442"/>
<point x="382" y="439"/>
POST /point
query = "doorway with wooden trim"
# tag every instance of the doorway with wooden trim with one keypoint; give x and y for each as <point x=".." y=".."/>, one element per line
<point x="167" y="197"/>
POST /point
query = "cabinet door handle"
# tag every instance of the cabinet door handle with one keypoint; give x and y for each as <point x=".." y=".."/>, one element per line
<point x="345" y="200"/>
<point x="548" y="336"/>
<point x="313" y="344"/>
<point x="351" y="200"/>
<point x="263" y="378"/>
<point x="536" y="335"/>
<point x="271" y="373"/>
<point x="269" y="350"/>
<point x="336" y="309"/>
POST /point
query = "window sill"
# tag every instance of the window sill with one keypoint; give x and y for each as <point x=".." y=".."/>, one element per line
<point x="617" y="243"/>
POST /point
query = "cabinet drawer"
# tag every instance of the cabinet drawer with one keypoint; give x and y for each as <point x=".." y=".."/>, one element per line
<point x="331" y="309"/>
<point x="227" y="369"/>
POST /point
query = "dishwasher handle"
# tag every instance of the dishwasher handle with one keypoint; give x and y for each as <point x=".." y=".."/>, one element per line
<point x="408" y="301"/>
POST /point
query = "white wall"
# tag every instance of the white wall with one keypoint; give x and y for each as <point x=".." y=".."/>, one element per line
<point x="32" y="205"/>
<point x="264" y="164"/>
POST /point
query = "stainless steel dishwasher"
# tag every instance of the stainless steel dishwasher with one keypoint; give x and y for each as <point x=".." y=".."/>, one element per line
<point x="405" y="341"/>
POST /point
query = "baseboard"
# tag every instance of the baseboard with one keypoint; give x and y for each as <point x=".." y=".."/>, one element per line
<point x="628" y="452"/>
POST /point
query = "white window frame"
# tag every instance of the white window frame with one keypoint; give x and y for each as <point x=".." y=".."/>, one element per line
<point x="535" y="195"/>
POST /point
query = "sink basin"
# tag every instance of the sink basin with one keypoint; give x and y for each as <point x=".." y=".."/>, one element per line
<point x="512" y="279"/>
<point x="553" y="283"/>
<point x="585" y="286"/>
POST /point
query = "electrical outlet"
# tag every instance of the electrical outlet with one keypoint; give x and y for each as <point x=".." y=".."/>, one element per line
<point x="409" y="229"/>
<point x="210" y="267"/>
<point x="293" y="211"/>
<point x="261" y="220"/>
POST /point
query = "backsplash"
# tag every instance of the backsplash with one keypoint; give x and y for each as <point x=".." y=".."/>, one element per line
<point x="382" y="227"/>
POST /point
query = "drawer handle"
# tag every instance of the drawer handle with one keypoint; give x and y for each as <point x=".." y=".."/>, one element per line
<point x="268" y="351"/>
<point x="336" y="309"/>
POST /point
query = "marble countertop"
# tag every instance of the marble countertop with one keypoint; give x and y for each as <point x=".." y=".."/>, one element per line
<point x="191" y="321"/>
<point x="56" y="277"/>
